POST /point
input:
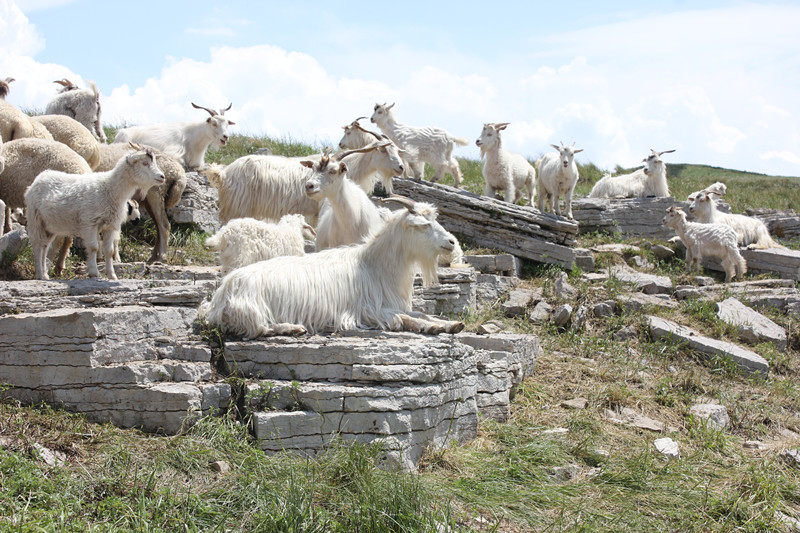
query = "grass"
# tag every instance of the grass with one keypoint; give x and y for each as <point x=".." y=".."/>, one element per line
<point x="548" y="468"/>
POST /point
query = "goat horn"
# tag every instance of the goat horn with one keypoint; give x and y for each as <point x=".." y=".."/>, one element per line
<point x="9" y="80"/>
<point x="357" y="125"/>
<point x="210" y="111"/>
<point x="222" y="111"/>
<point x="65" y="82"/>
<point x="309" y="228"/>
<point x="341" y="155"/>
<point x="355" y="122"/>
<point x="665" y="152"/>
<point x="408" y="203"/>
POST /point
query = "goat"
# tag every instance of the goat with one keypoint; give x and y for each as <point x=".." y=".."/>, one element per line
<point x="185" y="141"/>
<point x="504" y="170"/>
<point x="156" y="200"/>
<point x="356" y="136"/>
<point x="347" y="215"/>
<point x="4" y="87"/>
<point x="715" y="240"/>
<point x="81" y="104"/>
<point x="717" y="188"/>
<point x="648" y="181"/>
<point x="424" y="145"/>
<point x="750" y="231"/>
<point x="74" y="134"/>
<point x="558" y="175"/>
<point x="244" y="241"/>
<point x="366" y="285"/>
<point x="92" y="207"/>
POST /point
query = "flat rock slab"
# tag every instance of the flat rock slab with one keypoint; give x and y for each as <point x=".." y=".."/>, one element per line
<point x="628" y="417"/>
<point x="646" y="283"/>
<point x="753" y="326"/>
<point x="626" y="216"/>
<point x="500" y="264"/>
<point x="746" y="360"/>
<point x="781" y="261"/>
<point x="521" y="231"/>
<point x="770" y="294"/>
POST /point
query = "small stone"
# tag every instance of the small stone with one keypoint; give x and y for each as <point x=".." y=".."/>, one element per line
<point x="51" y="457"/>
<point x="754" y="445"/>
<point x="716" y="415"/>
<point x="668" y="447"/>
<point x="641" y="262"/>
<point x="541" y="312"/>
<point x="221" y="466"/>
<point x="662" y="252"/>
<point x="555" y="431"/>
<point x="579" y="318"/>
<point x="489" y="329"/>
<point x="703" y="281"/>
<point x="562" y="315"/>
<point x="575" y="403"/>
<point x="626" y="333"/>
<point x="672" y="369"/>
<point x="519" y="300"/>
<point x="792" y="457"/>
<point x="565" y="473"/>
<point x="562" y="288"/>
<point x="604" y="309"/>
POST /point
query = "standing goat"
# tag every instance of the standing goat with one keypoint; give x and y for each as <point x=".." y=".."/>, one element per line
<point x="81" y="104"/>
<point x="185" y="141"/>
<point x="504" y="170"/>
<point x="347" y="215"/>
<point x="750" y="231"/>
<point x="423" y="145"/>
<point x="367" y="285"/>
<point x="648" y="181"/>
<point x="91" y="206"/>
<point x="244" y="241"/>
<point x="558" y="175"/>
<point x="714" y="240"/>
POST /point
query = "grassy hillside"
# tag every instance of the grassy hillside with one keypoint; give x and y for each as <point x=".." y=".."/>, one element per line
<point x="549" y="468"/>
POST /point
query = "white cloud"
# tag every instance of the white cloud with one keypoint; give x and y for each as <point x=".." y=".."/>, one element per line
<point x="789" y="157"/>
<point x="17" y="36"/>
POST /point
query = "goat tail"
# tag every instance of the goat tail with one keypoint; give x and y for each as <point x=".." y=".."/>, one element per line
<point x="461" y="141"/>
<point x="215" y="173"/>
<point x="214" y="241"/>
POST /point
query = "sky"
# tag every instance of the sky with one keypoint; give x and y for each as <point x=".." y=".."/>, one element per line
<point x="718" y="81"/>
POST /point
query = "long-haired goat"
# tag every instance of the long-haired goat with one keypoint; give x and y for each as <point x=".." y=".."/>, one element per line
<point x="244" y="241"/>
<point x="347" y="215"/>
<point x="558" y="175"/>
<point x="648" y="181"/>
<point x="715" y="240"/>
<point x="424" y="145"/>
<point x="367" y="285"/>
<point x="185" y="141"/>
<point x="750" y="231"/>
<point x="81" y="104"/>
<point x="91" y="206"/>
<point x="504" y="170"/>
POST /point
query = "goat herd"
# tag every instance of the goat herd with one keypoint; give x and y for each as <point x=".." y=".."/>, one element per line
<point x="59" y="168"/>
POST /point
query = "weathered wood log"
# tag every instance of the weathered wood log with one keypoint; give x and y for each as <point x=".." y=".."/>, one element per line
<point x="519" y="230"/>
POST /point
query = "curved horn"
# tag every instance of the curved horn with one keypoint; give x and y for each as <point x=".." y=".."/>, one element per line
<point x="408" y="203"/>
<point x="664" y="152"/>
<point x="210" y="111"/>
<point x="355" y="122"/>
<point x="341" y="155"/>
<point x="9" y="80"/>
<point x="358" y="126"/>
<point x="222" y="111"/>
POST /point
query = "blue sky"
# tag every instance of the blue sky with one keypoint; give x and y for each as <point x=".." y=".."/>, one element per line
<point x="717" y="81"/>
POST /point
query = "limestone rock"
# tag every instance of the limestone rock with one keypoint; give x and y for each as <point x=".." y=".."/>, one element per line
<point x="491" y="288"/>
<point x="500" y="264"/>
<point x="716" y="415"/>
<point x="753" y="326"/>
<point x="746" y="360"/>
<point x="668" y="447"/>
<point x="562" y="315"/>
<point x="519" y="300"/>
<point x="646" y="283"/>
<point x="12" y="243"/>
<point x="575" y="403"/>
<point x="579" y="318"/>
<point x="199" y="204"/>
<point x="662" y="252"/>
<point x="604" y="309"/>
<point x="541" y="313"/>
<point x="489" y="328"/>
<point x="562" y="288"/>
<point x="629" y="417"/>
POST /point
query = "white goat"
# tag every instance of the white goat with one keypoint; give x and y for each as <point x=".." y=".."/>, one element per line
<point x="244" y="241"/>
<point x="185" y="141"/>
<point x="558" y="175"/>
<point x="347" y="215"/>
<point x="504" y="170"/>
<point x="4" y="88"/>
<point x="366" y="285"/>
<point x="717" y="188"/>
<point x="382" y="166"/>
<point x="91" y="206"/>
<point x="648" y="181"/>
<point x="81" y="104"/>
<point x="266" y="187"/>
<point x="714" y="240"/>
<point x="74" y="134"/>
<point x="424" y="145"/>
<point x="750" y="231"/>
<point x="356" y="136"/>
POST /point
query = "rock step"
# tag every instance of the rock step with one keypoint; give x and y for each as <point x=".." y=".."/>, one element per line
<point x="781" y="261"/>
<point x="746" y="360"/>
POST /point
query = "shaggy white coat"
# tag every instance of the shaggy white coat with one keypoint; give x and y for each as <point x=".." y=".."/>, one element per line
<point x="74" y="134"/>
<point x="558" y="175"/>
<point x="81" y="104"/>
<point x="347" y="215"/>
<point x="366" y="168"/>
<point x="423" y="145"/>
<point x="264" y="187"/>
<point x="750" y="231"/>
<point x="503" y="170"/>
<point x="714" y="240"/>
<point x="244" y="241"/>
<point x="648" y="181"/>
<point x="91" y="206"/>
<point x="185" y="141"/>
<point x="366" y="285"/>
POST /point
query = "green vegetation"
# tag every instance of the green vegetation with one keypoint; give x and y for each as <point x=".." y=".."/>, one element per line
<point x="588" y="475"/>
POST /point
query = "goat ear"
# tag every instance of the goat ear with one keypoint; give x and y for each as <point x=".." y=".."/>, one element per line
<point x="342" y="168"/>
<point x="556" y="147"/>
<point x="231" y="123"/>
<point x="208" y="120"/>
<point x="307" y="164"/>
<point x="579" y="150"/>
